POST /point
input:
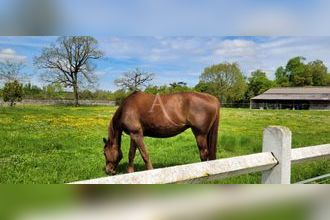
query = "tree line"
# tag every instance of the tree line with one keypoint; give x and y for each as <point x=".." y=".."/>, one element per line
<point x="227" y="82"/>
<point x="70" y="63"/>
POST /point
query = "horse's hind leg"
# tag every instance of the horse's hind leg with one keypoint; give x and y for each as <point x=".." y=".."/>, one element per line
<point x="201" y="140"/>
<point x="137" y="138"/>
<point x="131" y="156"/>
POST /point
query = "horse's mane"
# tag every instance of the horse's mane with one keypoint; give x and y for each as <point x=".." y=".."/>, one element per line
<point x="113" y="124"/>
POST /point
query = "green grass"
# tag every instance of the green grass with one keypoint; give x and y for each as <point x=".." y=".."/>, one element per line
<point x="40" y="144"/>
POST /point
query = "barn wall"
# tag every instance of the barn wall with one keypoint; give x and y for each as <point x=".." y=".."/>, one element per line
<point x="325" y="105"/>
<point x="290" y="104"/>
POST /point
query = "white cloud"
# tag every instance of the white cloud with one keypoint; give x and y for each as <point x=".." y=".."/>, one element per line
<point x="10" y="54"/>
<point x="268" y="53"/>
<point x="237" y="48"/>
<point x="8" y="51"/>
<point x="184" y="58"/>
<point x="148" y="49"/>
<point x="192" y="54"/>
<point x="100" y="73"/>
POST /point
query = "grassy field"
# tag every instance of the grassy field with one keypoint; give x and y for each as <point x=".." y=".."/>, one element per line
<point x="40" y="144"/>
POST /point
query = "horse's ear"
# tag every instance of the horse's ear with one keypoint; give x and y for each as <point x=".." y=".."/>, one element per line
<point x="105" y="140"/>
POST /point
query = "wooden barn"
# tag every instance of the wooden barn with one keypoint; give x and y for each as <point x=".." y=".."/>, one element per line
<point x="293" y="98"/>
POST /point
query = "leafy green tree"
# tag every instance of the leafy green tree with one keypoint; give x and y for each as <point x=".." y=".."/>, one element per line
<point x="179" y="87"/>
<point x="32" y="91"/>
<point x="102" y="95"/>
<point x="281" y="77"/>
<point x="328" y="79"/>
<point x="54" y="91"/>
<point x="164" y="89"/>
<point x="201" y="87"/>
<point x="13" y="92"/>
<point x="224" y="80"/>
<point x="119" y="96"/>
<point x="296" y="71"/>
<point x="167" y="89"/>
<point x="151" y="89"/>
<point x="258" y="83"/>
<point x="318" y="71"/>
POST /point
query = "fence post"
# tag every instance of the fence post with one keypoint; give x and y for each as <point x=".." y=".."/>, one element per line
<point x="277" y="139"/>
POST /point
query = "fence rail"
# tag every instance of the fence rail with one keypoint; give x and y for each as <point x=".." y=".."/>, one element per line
<point x="274" y="162"/>
<point x="303" y="154"/>
<point x="61" y="102"/>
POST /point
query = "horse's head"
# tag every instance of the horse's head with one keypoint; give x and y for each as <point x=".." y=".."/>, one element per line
<point x="113" y="155"/>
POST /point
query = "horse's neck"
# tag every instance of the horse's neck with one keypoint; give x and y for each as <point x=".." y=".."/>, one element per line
<point x="115" y="131"/>
<point x="115" y="134"/>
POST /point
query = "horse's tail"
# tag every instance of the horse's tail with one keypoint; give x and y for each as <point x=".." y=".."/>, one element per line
<point x="212" y="138"/>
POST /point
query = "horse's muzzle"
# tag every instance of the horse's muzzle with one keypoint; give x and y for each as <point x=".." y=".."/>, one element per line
<point x="110" y="171"/>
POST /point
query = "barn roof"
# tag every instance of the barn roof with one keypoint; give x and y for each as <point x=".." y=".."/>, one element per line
<point x="296" y="93"/>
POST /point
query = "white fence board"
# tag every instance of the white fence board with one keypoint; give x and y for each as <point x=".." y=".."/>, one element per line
<point x="209" y="170"/>
<point x="273" y="162"/>
<point x="299" y="155"/>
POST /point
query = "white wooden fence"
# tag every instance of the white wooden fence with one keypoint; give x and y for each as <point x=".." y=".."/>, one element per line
<point x="60" y="102"/>
<point x="274" y="162"/>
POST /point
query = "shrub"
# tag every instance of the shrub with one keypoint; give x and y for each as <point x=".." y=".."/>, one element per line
<point x="119" y="96"/>
<point x="13" y="92"/>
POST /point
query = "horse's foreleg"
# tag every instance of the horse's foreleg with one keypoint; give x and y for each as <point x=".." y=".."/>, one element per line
<point x="202" y="146"/>
<point x="138" y="140"/>
<point x="131" y="156"/>
<point x="145" y="156"/>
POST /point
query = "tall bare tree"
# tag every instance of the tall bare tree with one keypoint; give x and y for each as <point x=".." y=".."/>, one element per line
<point x="134" y="80"/>
<point x="70" y="62"/>
<point x="11" y="70"/>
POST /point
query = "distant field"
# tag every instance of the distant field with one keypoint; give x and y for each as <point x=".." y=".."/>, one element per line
<point x="46" y="144"/>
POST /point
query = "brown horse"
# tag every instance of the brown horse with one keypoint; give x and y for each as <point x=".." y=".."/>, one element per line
<point x="162" y="116"/>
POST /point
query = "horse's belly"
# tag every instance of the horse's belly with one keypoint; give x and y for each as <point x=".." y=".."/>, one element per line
<point x="161" y="132"/>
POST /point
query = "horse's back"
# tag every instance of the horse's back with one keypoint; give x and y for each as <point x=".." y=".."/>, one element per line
<point x="167" y="115"/>
<point x="144" y="103"/>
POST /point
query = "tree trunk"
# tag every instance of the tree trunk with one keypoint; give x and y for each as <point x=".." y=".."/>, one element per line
<point x="76" y="96"/>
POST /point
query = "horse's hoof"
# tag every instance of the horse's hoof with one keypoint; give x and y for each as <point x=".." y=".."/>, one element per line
<point x="130" y="170"/>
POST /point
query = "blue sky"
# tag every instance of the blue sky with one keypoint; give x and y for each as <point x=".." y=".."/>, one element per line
<point x="177" y="58"/>
<point x="165" y="17"/>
